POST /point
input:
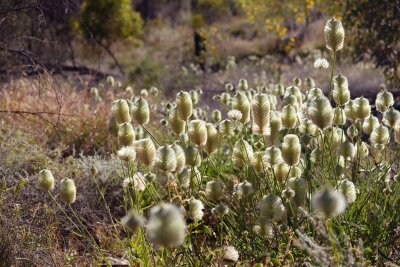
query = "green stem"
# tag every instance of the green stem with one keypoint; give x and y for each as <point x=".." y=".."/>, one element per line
<point x="331" y="80"/>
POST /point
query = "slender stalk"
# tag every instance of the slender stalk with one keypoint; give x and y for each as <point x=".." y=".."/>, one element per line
<point x="331" y="80"/>
<point x="155" y="139"/>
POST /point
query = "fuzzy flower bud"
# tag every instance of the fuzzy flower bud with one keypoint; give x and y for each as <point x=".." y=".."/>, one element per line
<point x="272" y="208"/>
<point x="216" y="115"/>
<point x="214" y="190"/>
<point x="347" y="150"/>
<point x="184" y="105"/>
<point x="273" y="156"/>
<point x="220" y="210"/>
<point x="127" y="153"/>
<point x="242" y="154"/>
<point x="289" y="117"/>
<point x="180" y="158"/>
<point x="241" y="103"/>
<point x="193" y="156"/>
<point x="242" y="85"/>
<point x="275" y="124"/>
<point x="126" y="134"/>
<point x="212" y="138"/>
<point x="341" y="92"/>
<point x="380" y="135"/>
<point x="132" y="221"/>
<point x="260" y="114"/>
<point x="334" y="35"/>
<point x="298" y="185"/>
<point x="140" y="111"/>
<point x="197" y="132"/>
<point x="339" y="116"/>
<point x="320" y="112"/>
<point x="120" y="111"/>
<point x="348" y="190"/>
<point x="68" y="190"/>
<point x="291" y="149"/>
<point x="369" y="124"/>
<point x="391" y="118"/>
<point x="165" y="159"/>
<point x="145" y="151"/>
<point x="195" y="209"/>
<point x="330" y="202"/>
<point x="384" y="100"/>
<point x="281" y="171"/>
<point x="45" y="180"/>
<point x="363" y="109"/>
<point x="321" y="63"/>
<point x="166" y="226"/>
<point x="177" y="124"/>
<point x="226" y="128"/>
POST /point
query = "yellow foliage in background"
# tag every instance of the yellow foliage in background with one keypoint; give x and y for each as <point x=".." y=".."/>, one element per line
<point x="277" y="17"/>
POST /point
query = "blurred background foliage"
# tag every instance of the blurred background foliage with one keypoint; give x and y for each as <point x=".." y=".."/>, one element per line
<point x="118" y="36"/>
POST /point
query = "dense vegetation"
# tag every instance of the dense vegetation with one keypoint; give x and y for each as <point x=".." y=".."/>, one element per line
<point x="262" y="145"/>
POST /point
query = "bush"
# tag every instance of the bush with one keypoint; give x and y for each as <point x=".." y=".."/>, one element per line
<point x="110" y="20"/>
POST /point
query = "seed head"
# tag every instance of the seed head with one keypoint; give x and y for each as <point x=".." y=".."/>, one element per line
<point x="289" y="117"/>
<point x="166" y="226"/>
<point x="272" y="208"/>
<point x="369" y="124"/>
<point x="291" y="149"/>
<point x="177" y="124"/>
<point x="127" y="153"/>
<point x="126" y="134"/>
<point x="321" y="63"/>
<point x="141" y="111"/>
<point x="363" y="109"/>
<point x="242" y="85"/>
<point x="330" y="202"/>
<point x="45" y="180"/>
<point x="243" y="154"/>
<point x="184" y="105"/>
<point x="195" y="209"/>
<point x="273" y="156"/>
<point x="198" y="132"/>
<point x="132" y="221"/>
<point x="241" y="103"/>
<point x="391" y="118"/>
<point x="193" y="156"/>
<point x="320" y="112"/>
<point x="341" y="92"/>
<point x="68" y="190"/>
<point x="220" y="210"/>
<point x="214" y="190"/>
<point x="216" y="116"/>
<point x="298" y="185"/>
<point x="348" y="190"/>
<point x="263" y="227"/>
<point x="384" y="100"/>
<point x="351" y="110"/>
<point x="260" y="114"/>
<point x="145" y="151"/>
<point x="212" y="138"/>
<point x="165" y="159"/>
<point x="120" y="111"/>
<point x="180" y="158"/>
<point x="334" y="35"/>
<point x="347" y="150"/>
<point x="380" y="135"/>
<point x="339" y="116"/>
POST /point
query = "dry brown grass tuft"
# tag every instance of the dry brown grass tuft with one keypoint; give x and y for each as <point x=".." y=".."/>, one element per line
<point x="57" y="112"/>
